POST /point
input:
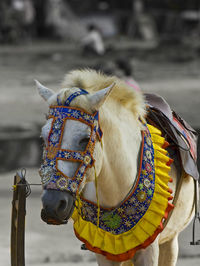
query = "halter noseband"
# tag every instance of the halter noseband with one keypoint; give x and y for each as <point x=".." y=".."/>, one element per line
<point x="52" y="177"/>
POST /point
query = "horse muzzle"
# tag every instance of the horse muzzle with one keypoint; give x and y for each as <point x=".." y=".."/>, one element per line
<point x="58" y="206"/>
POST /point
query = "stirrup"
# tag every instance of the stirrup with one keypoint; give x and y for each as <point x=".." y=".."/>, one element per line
<point x="197" y="215"/>
<point x="193" y="242"/>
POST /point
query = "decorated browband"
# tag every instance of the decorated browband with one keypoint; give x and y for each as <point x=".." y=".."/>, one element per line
<point x="52" y="177"/>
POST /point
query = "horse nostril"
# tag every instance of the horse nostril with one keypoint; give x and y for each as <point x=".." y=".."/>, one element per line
<point x="57" y="205"/>
<point x="62" y="206"/>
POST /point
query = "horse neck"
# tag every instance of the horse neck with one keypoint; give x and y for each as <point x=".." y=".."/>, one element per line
<point x="121" y="144"/>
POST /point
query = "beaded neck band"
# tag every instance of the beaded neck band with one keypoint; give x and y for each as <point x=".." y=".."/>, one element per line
<point x="52" y="177"/>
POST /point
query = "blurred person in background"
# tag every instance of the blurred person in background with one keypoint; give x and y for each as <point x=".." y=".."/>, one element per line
<point x="122" y="68"/>
<point x="16" y="20"/>
<point x="93" y="42"/>
<point x="29" y="18"/>
<point x="25" y="15"/>
<point x="128" y="72"/>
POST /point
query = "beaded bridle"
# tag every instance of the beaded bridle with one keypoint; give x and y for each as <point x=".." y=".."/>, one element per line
<point x="52" y="177"/>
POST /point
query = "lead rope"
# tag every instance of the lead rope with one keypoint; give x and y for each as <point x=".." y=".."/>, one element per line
<point x="83" y="246"/>
<point x="97" y="197"/>
<point x="26" y="184"/>
<point x="78" y="206"/>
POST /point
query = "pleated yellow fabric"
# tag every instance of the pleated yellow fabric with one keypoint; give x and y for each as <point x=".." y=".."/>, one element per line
<point x="123" y="246"/>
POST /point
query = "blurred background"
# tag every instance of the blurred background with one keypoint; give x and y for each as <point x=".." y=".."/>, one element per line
<point x="156" y="43"/>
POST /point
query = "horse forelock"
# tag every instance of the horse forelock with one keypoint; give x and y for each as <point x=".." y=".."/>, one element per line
<point x="93" y="81"/>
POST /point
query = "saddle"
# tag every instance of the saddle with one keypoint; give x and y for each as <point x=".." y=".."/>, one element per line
<point x="180" y="135"/>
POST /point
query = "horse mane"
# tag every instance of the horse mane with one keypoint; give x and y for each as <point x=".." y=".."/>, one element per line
<point x="92" y="81"/>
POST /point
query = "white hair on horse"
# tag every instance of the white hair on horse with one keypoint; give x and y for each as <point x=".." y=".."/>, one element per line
<point x="93" y="81"/>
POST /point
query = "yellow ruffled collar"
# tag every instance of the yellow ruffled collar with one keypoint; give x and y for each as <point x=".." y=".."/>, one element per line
<point x="118" y="237"/>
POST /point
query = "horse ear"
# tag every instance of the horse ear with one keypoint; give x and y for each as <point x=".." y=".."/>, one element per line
<point x="98" y="98"/>
<point x="43" y="91"/>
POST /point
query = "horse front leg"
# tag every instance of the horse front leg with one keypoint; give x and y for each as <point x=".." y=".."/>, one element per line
<point x="169" y="252"/>
<point x="148" y="256"/>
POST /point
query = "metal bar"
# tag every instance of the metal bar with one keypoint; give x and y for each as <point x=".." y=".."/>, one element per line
<point x="13" y="226"/>
<point x="18" y="221"/>
<point x="197" y="216"/>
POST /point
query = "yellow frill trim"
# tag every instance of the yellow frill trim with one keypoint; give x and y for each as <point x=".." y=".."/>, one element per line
<point x="122" y="247"/>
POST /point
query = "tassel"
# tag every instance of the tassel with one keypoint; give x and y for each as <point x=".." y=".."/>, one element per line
<point x="78" y="206"/>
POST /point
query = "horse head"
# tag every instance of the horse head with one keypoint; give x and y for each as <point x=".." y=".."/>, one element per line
<point x="72" y="143"/>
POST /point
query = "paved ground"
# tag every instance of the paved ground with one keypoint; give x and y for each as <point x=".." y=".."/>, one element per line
<point x="159" y="72"/>
<point x="57" y="245"/>
<point x="178" y="82"/>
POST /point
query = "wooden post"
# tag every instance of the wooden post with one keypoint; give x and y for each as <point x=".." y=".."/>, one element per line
<point x="18" y="221"/>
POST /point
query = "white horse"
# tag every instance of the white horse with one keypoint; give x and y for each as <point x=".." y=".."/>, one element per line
<point x="122" y="119"/>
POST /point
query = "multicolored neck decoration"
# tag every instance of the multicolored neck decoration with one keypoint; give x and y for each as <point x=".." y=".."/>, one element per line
<point x="51" y="175"/>
<point x="119" y="232"/>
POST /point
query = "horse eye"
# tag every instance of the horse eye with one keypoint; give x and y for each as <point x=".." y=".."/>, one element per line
<point x="84" y="141"/>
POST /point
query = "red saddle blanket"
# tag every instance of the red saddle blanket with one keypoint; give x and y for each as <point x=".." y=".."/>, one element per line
<point x="181" y="136"/>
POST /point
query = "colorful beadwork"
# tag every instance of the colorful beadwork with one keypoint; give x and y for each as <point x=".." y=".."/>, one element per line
<point x="51" y="176"/>
<point x="128" y="214"/>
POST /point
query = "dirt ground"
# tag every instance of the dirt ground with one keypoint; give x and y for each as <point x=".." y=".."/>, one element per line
<point x="173" y="73"/>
